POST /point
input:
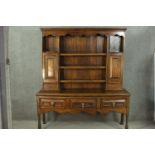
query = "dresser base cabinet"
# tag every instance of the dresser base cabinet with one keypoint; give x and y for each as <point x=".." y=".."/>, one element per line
<point x="92" y="103"/>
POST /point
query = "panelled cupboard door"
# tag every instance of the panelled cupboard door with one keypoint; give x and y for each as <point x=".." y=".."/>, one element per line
<point x="114" y="71"/>
<point x="50" y="70"/>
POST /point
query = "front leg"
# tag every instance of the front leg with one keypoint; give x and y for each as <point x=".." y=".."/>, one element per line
<point x="44" y="118"/>
<point x="122" y="119"/>
<point x="39" y="121"/>
<point x="126" y="123"/>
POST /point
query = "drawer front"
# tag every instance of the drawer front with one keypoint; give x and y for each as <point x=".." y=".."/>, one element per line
<point x="112" y="103"/>
<point x="83" y="103"/>
<point x="52" y="103"/>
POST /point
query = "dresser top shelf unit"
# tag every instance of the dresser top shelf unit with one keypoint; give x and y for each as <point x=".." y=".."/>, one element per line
<point x="83" y="58"/>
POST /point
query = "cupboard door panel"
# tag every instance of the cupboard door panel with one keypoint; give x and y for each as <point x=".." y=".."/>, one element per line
<point x="50" y="71"/>
<point x="50" y="67"/>
<point x="114" y="71"/>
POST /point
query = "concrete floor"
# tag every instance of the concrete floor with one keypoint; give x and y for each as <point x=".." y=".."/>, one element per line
<point x="83" y="125"/>
<point x="82" y="121"/>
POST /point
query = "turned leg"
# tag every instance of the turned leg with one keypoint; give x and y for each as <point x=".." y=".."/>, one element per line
<point x="126" y="123"/>
<point x="122" y="119"/>
<point x="39" y="121"/>
<point x="44" y="118"/>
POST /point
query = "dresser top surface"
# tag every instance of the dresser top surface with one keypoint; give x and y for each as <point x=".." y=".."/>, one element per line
<point x="84" y="93"/>
<point x="85" y="28"/>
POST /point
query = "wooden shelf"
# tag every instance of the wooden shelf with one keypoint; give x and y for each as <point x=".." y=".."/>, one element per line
<point x="50" y="51"/>
<point x="115" y="52"/>
<point x="83" y="54"/>
<point x="82" y="67"/>
<point x="82" y="81"/>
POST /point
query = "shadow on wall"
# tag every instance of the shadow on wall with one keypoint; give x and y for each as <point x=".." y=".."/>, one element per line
<point x="149" y="87"/>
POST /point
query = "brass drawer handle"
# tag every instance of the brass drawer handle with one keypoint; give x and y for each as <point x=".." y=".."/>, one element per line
<point x="113" y="104"/>
<point x="52" y="103"/>
<point x="83" y="105"/>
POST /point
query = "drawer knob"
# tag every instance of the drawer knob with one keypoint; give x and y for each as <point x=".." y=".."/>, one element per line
<point x="83" y="105"/>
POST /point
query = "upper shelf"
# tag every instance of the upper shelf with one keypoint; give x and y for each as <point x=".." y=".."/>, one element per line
<point x="82" y="67"/>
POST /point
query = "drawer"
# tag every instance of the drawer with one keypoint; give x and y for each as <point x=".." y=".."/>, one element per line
<point x="83" y="103"/>
<point x="116" y="103"/>
<point x="52" y="103"/>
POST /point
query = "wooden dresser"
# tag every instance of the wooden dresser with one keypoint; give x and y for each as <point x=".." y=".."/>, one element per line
<point x="82" y="71"/>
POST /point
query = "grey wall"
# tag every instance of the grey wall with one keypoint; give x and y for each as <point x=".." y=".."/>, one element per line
<point x="1" y="52"/>
<point x="25" y="55"/>
<point x="138" y="77"/>
<point x="25" y="70"/>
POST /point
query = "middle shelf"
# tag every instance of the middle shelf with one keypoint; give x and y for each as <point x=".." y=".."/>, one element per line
<point x="82" y="67"/>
